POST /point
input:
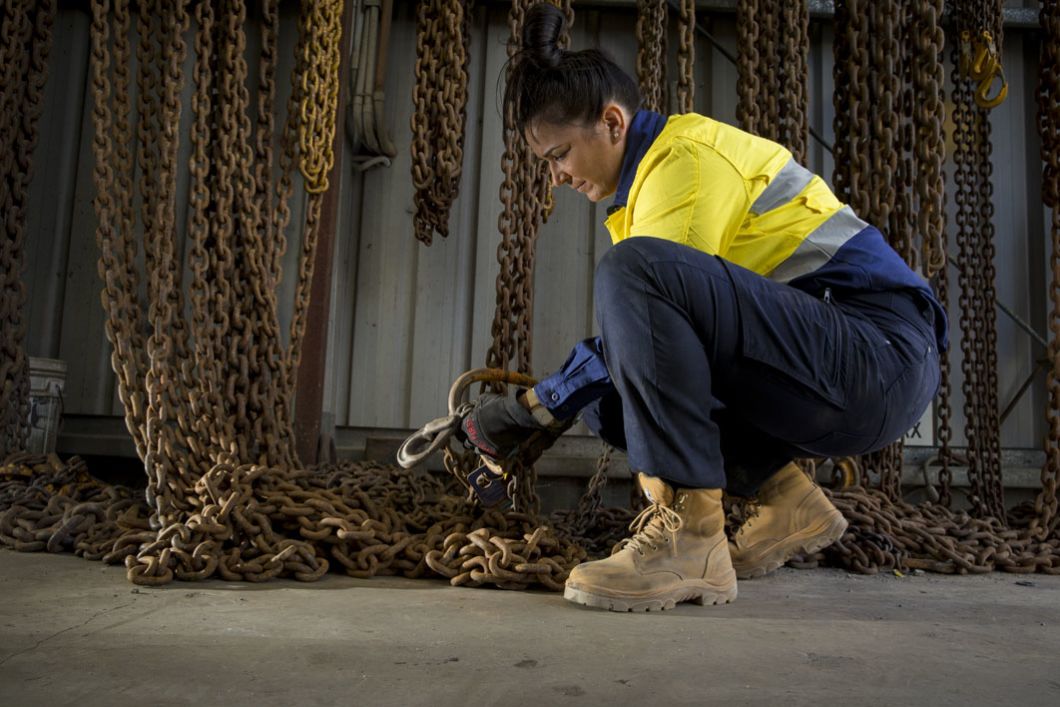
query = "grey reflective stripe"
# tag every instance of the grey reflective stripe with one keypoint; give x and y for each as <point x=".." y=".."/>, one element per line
<point x="785" y="186"/>
<point x="819" y="246"/>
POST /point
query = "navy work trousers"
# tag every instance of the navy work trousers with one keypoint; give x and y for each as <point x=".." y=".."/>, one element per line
<point x="723" y="376"/>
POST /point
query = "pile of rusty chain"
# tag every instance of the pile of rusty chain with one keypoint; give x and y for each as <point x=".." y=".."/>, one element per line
<point x="367" y="519"/>
<point x="651" y="53"/>
<point x="686" y="57"/>
<point x="896" y="535"/>
<point x="25" y="42"/>
<point x="975" y="262"/>
<point x="443" y="29"/>
<point x="55" y="506"/>
<point x="772" y="60"/>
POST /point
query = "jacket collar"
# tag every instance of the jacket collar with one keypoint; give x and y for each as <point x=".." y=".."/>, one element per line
<point x="643" y="130"/>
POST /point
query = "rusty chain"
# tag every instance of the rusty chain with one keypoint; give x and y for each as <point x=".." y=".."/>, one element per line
<point x="1048" y="93"/>
<point x="686" y="57"/>
<point x="992" y="483"/>
<point x="882" y="188"/>
<point x="843" y="48"/>
<point x="943" y="409"/>
<point x="772" y="60"/>
<point x="590" y="524"/>
<point x="443" y="29"/>
<point x="651" y="53"/>
<point x="526" y="197"/>
<point x="927" y="82"/>
<point x="974" y="236"/>
<point x="889" y="143"/>
<point x="924" y="31"/>
<point x="795" y="28"/>
<point x="25" y="43"/>
<point x="748" y="81"/>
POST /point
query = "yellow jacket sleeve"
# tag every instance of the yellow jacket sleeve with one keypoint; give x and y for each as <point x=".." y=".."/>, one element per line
<point x="689" y="194"/>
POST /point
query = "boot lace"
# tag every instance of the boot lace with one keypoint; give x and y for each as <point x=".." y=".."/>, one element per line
<point x="650" y="528"/>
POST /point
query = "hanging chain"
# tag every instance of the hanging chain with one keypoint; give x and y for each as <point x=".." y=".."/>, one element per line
<point x="886" y="184"/>
<point x="794" y="101"/>
<point x="973" y="196"/>
<point x="927" y="85"/>
<point x="25" y="43"/>
<point x="686" y="57"/>
<point x="443" y="29"/>
<point x="772" y="61"/>
<point x="748" y="82"/>
<point x="320" y="88"/>
<point x="843" y="47"/>
<point x="943" y="409"/>
<point x="526" y="196"/>
<point x="1048" y="93"/>
<point x="651" y="53"/>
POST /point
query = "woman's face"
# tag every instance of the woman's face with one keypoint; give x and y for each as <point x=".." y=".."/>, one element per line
<point x="588" y="158"/>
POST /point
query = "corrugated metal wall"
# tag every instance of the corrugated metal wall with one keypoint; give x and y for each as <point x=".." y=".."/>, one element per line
<point x="407" y="319"/>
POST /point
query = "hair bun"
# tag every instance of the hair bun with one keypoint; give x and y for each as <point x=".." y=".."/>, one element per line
<point x="541" y="30"/>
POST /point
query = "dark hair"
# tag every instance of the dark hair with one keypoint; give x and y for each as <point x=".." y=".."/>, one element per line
<point x="562" y="86"/>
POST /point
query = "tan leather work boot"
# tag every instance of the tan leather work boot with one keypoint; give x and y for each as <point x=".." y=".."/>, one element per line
<point x="678" y="553"/>
<point x="795" y="518"/>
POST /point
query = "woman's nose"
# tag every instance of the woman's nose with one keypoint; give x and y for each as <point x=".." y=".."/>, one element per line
<point x="559" y="177"/>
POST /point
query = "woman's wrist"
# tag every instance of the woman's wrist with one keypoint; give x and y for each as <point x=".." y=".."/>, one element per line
<point x="541" y="413"/>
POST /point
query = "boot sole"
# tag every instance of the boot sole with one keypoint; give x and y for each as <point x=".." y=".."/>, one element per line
<point x="700" y="595"/>
<point x="805" y="543"/>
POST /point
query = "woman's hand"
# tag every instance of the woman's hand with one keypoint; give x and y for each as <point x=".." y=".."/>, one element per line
<point x="497" y="425"/>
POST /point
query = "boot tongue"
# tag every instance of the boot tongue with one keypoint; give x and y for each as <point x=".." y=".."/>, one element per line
<point x="656" y="490"/>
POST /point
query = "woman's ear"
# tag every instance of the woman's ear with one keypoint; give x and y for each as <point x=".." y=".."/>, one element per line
<point x="615" y="122"/>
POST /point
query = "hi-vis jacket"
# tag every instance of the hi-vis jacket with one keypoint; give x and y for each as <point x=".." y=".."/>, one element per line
<point x="725" y="192"/>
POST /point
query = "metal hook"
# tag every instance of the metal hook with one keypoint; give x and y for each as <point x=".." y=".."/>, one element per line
<point x="982" y="94"/>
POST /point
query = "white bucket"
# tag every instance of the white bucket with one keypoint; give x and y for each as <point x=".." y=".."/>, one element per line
<point x="47" y="376"/>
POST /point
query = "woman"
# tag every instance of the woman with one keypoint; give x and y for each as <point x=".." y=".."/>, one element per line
<point x="747" y="318"/>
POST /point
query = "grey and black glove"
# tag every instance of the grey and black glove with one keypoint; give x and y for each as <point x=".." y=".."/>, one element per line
<point x="497" y="425"/>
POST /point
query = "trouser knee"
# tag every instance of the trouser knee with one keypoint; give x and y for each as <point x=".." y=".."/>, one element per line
<point x="622" y="267"/>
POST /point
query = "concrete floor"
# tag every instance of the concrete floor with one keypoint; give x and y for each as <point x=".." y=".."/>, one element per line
<point x="74" y="632"/>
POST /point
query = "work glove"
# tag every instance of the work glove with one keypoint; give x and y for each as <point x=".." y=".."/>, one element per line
<point x="497" y="425"/>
